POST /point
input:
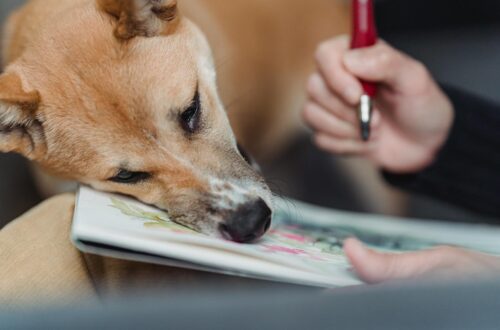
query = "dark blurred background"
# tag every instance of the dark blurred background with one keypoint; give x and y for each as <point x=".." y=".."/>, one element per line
<point x="457" y="40"/>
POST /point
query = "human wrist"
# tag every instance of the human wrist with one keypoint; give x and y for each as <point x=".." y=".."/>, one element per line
<point x="446" y="118"/>
<point x="432" y="126"/>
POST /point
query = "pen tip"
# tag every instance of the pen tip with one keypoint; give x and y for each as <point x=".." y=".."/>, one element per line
<point x="365" y="131"/>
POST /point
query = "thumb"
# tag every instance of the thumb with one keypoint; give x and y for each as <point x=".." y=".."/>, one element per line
<point x="384" y="64"/>
<point x="375" y="267"/>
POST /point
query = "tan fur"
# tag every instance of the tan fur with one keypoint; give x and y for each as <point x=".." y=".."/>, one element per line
<point x="113" y="76"/>
<point x="22" y="104"/>
<point x="264" y="51"/>
<point x="19" y="130"/>
<point x="157" y="17"/>
<point x="108" y="104"/>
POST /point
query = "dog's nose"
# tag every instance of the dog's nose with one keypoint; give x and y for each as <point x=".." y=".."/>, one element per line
<point x="249" y="222"/>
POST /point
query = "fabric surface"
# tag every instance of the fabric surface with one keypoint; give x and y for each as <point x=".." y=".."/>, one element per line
<point x="37" y="261"/>
<point x="467" y="169"/>
<point x="40" y="267"/>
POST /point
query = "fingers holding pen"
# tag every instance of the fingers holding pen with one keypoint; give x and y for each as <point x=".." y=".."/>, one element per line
<point x="321" y="94"/>
<point x="321" y="120"/>
<point x="329" y="59"/>
<point x="334" y="134"/>
<point x="342" y="68"/>
<point x="386" y="65"/>
<point x="334" y="92"/>
<point x="338" y="137"/>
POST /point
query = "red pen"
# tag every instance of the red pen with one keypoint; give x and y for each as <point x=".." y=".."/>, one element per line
<point x="364" y="34"/>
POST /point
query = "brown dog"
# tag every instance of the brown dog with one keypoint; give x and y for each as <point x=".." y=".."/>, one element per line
<point x="122" y="96"/>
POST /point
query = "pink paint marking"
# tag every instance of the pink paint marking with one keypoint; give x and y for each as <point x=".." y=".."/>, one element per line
<point x="294" y="237"/>
<point x="284" y="249"/>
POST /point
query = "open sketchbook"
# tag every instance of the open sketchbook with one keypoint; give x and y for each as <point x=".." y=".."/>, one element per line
<point x="304" y="245"/>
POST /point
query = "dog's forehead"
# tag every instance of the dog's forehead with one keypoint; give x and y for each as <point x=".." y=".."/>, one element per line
<point x="95" y="65"/>
<point x="139" y="81"/>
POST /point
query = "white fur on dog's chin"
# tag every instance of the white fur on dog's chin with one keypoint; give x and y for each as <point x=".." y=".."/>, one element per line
<point x="230" y="195"/>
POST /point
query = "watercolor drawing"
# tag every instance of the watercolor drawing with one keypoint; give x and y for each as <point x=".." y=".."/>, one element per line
<point x="157" y="219"/>
<point x="317" y="246"/>
<point x="333" y="237"/>
<point x="283" y="240"/>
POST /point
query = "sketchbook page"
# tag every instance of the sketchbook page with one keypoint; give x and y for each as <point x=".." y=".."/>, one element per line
<point x="386" y="233"/>
<point x="154" y="259"/>
<point x="254" y="268"/>
<point x="125" y="223"/>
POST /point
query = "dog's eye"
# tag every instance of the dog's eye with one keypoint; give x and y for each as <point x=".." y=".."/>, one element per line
<point x="190" y="118"/>
<point x="129" y="177"/>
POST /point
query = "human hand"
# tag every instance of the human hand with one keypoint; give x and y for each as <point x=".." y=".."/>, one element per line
<point x="440" y="263"/>
<point x="412" y="116"/>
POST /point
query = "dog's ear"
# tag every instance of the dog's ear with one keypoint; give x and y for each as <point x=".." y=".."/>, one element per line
<point x="142" y="18"/>
<point x="20" y="129"/>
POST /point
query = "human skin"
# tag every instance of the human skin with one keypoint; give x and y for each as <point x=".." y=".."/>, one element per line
<point x="411" y="121"/>
<point x="439" y="263"/>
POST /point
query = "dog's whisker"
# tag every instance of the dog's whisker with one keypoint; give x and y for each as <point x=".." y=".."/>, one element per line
<point x="276" y="185"/>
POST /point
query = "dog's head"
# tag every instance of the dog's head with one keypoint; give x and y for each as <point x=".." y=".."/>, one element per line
<point x="121" y="95"/>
